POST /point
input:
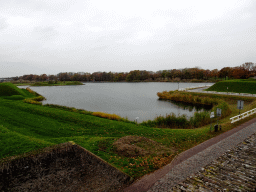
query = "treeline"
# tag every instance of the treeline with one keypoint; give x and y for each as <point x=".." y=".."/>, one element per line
<point x="243" y="71"/>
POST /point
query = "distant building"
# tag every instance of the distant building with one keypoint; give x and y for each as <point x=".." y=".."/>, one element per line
<point x="6" y="79"/>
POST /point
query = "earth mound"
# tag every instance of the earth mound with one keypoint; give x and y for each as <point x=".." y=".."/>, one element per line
<point x="132" y="146"/>
<point x="64" y="167"/>
<point x="8" y="89"/>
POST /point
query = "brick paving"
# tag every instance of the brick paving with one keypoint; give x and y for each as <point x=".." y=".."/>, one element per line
<point x="235" y="170"/>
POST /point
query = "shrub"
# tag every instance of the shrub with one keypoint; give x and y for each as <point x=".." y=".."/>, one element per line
<point x="51" y="82"/>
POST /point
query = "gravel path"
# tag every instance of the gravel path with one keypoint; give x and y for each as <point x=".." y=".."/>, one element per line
<point x="195" y="163"/>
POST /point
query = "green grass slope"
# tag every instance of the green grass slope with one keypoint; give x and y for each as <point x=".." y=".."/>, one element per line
<point x="8" y="89"/>
<point x="26" y="127"/>
<point x="236" y="86"/>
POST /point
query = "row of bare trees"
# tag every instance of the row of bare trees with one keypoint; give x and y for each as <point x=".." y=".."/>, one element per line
<point x="243" y="71"/>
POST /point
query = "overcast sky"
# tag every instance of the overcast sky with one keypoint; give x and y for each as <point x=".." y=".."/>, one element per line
<point x="51" y="36"/>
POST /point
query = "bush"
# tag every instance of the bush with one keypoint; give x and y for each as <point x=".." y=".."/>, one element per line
<point x="51" y="82"/>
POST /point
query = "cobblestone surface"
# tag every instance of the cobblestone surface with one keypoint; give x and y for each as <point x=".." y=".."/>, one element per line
<point x="235" y="170"/>
<point x="228" y="162"/>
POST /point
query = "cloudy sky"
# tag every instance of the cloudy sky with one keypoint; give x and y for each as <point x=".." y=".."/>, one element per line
<point x="51" y="36"/>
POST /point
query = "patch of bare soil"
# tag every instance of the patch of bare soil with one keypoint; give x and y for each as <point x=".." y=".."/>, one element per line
<point x="66" y="168"/>
<point x="133" y="146"/>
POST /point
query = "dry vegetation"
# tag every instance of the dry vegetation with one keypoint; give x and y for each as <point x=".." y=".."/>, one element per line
<point x="134" y="146"/>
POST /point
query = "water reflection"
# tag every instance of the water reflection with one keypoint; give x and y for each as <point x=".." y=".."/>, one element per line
<point x="191" y="107"/>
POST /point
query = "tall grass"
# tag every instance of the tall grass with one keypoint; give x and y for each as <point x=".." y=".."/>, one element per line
<point x="106" y="115"/>
<point x="187" y="98"/>
<point x="198" y="120"/>
<point x="170" y="121"/>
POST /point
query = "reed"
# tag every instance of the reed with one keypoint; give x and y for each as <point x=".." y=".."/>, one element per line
<point x="198" y="120"/>
<point x="187" y="98"/>
<point x="106" y="115"/>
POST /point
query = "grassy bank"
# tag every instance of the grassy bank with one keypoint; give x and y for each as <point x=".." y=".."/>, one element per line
<point x="26" y="127"/>
<point x="199" y="119"/>
<point x="48" y="83"/>
<point x="58" y="83"/>
<point x="236" y="86"/>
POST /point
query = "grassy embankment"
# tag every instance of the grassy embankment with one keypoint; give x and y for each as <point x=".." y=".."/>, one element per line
<point x="25" y="127"/>
<point x="48" y="83"/>
<point x="236" y="86"/>
<point x="199" y="119"/>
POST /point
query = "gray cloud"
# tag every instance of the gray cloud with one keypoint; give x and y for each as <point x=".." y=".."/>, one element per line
<point x="76" y="35"/>
<point x="3" y="23"/>
<point x="45" y="33"/>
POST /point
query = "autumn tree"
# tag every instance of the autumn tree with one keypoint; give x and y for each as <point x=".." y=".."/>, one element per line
<point x="64" y="77"/>
<point x="43" y="77"/>
<point x="248" y="68"/>
<point x="239" y="73"/>
<point x="133" y="76"/>
<point x="207" y="74"/>
<point x="225" y="72"/>
<point x="52" y="77"/>
<point x="214" y="73"/>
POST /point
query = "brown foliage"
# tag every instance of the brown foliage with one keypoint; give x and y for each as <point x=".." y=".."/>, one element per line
<point x="133" y="146"/>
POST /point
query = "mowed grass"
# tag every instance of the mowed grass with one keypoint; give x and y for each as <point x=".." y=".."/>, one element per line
<point x="26" y="127"/>
<point x="8" y="89"/>
<point x="236" y="86"/>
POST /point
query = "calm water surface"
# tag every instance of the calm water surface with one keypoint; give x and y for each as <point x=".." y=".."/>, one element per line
<point x="129" y="100"/>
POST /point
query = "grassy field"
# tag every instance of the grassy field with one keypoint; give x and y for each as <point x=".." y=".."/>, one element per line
<point x="26" y="127"/>
<point x="236" y="86"/>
